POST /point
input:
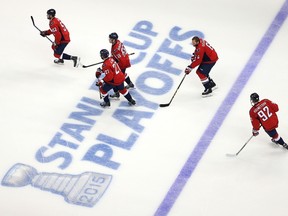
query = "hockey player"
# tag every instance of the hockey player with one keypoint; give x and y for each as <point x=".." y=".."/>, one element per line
<point x="263" y="113"/>
<point x="206" y="57"/>
<point x="118" y="51"/>
<point x="113" y="78"/>
<point x="62" y="38"/>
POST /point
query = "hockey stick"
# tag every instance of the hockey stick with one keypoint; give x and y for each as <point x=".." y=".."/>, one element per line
<point x="167" y="104"/>
<point x="100" y="95"/>
<point x="86" y="66"/>
<point x="39" y="29"/>
<point x="234" y="155"/>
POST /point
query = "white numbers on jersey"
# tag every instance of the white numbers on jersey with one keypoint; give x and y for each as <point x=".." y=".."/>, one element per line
<point x="116" y="67"/>
<point x="63" y="26"/>
<point x="264" y="113"/>
<point x="123" y="51"/>
<point x="208" y="45"/>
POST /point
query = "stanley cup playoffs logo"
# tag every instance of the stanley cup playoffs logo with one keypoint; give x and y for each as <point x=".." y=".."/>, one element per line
<point x="84" y="189"/>
<point x="87" y="188"/>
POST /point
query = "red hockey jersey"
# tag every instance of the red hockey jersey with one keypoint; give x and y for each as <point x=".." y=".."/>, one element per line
<point x="264" y="113"/>
<point x="113" y="74"/>
<point x="58" y="29"/>
<point x="204" y="53"/>
<point x="119" y="53"/>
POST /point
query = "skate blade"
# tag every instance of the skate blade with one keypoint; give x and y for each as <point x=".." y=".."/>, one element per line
<point x="209" y="95"/>
<point x="231" y="155"/>
<point x="114" y="98"/>
<point x="78" y="62"/>
<point x="130" y="104"/>
<point x="129" y="87"/>
<point x="105" y="107"/>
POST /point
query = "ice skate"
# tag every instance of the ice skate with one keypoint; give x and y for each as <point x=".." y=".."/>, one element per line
<point x="115" y="96"/>
<point x="275" y="144"/>
<point x="273" y="141"/>
<point x="130" y="86"/>
<point x="105" y="104"/>
<point x="207" y="92"/>
<point x="59" y="61"/>
<point x="213" y="84"/>
<point x="76" y="60"/>
<point x="285" y="146"/>
<point x="132" y="102"/>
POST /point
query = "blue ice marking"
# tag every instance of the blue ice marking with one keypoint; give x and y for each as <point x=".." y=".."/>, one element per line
<point x="221" y="113"/>
<point x="84" y="189"/>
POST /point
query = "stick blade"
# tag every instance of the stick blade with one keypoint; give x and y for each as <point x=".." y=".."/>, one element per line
<point x="231" y="155"/>
<point x="164" y="105"/>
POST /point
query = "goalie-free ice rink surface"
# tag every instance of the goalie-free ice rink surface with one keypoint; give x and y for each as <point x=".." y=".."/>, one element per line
<point x="142" y="160"/>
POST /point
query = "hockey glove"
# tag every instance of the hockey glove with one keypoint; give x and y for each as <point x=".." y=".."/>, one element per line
<point x="99" y="83"/>
<point x="54" y="46"/>
<point x="188" y="69"/>
<point x="43" y="33"/>
<point x="192" y="57"/>
<point x="98" y="72"/>
<point x="255" y="132"/>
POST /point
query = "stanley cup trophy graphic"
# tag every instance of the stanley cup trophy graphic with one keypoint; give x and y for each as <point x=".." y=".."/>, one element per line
<point x="84" y="189"/>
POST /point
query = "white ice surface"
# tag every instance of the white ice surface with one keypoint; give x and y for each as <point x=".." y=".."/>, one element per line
<point x="37" y="97"/>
